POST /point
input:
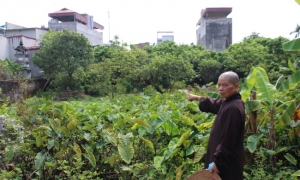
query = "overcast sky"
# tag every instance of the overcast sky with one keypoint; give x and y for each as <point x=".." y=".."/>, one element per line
<point x="136" y="21"/>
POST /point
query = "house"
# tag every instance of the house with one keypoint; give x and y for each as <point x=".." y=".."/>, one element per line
<point x="17" y="38"/>
<point x="215" y="29"/>
<point x="14" y="38"/>
<point x="81" y="23"/>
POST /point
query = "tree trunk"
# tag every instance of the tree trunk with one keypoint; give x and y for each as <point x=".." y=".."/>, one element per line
<point x="47" y="82"/>
<point x="271" y="142"/>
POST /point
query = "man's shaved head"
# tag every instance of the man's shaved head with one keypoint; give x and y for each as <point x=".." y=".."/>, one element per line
<point x="231" y="76"/>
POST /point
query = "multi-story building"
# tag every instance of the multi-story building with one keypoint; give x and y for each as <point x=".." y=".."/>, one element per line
<point x="164" y="36"/>
<point x="14" y="37"/>
<point x="215" y="29"/>
<point x="81" y="23"/>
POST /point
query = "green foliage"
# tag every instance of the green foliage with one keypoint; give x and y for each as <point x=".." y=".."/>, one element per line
<point x="61" y="54"/>
<point x="252" y="141"/>
<point x="275" y="107"/>
<point x="9" y="68"/>
<point x="121" y="137"/>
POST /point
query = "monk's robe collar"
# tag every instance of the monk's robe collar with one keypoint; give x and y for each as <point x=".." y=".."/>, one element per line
<point x="234" y="96"/>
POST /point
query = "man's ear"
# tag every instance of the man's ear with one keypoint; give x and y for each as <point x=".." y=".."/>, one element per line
<point x="237" y="86"/>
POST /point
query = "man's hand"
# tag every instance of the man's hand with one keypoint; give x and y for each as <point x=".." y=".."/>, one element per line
<point x="192" y="97"/>
<point x="214" y="169"/>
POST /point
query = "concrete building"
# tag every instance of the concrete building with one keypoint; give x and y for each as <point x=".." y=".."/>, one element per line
<point x="81" y="23"/>
<point x="164" y="36"/>
<point x="214" y="29"/>
<point x="13" y="36"/>
<point x="24" y="38"/>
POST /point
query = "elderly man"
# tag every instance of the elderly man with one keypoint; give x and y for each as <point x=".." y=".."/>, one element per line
<point x="225" y="146"/>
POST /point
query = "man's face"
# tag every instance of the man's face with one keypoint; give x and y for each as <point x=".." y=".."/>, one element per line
<point x="226" y="88"/>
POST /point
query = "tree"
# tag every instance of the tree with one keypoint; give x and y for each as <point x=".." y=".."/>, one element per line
<point x="63" y="52"/>
<point x="296" y="31"/>
<point x="166" y="70"/>
<point x="241" y="57"/>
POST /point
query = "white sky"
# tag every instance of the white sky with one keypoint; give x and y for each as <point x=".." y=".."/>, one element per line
<point x="137" y="21"/>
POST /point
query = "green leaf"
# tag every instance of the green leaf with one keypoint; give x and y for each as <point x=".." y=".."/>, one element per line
<point x="199" y="154"/>
<point x="183" y="137"/>
<point x="39" y="160"/>
<point x="110" y="136"/>
<point x="90" y="156"/>
<point x="170" y="127"/>
<point x="290" y="83"/>
<point x="288" y="113"/>
<point x="126" y="168"/>
<point x="157" y="161"/>
<point x="297" y="1"/>
<point x="72" y="125"/>
<point x="293" y="45"/>
<point x="252" y="142"/>
<point x="50" y="144"/>
<point x="265" y="90"/>
<point x="38" y="140"/>
<point x="9" y="153"/>
<point x="156" y="123"/>
<point x="141" y="122"/>
<point x="125" y="139"/>
<point x="290" y="158"/>
<point x="291" y="66"/>
<point x="251" y="105"/>
<point x="192" y="149"/>
<point x="112" y="160"/>
<point x="126" y="151"/>
<point x="77" y="150"/>
<point x="171" y="147"/>
<point x="99" y="126"/>
<point x="50" y="164"/>
<point x="269" y="153"/>
<point x="148" y="143"/>
<point x="297" y="173"/>
<point x="248" y="84"/>
<point x="87" y="136"/>
<point x="55" y="124"/>
<point x="186" y="120"/>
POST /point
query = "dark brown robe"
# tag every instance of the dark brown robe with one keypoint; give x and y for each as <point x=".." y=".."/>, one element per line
<point x="225" y="146"/>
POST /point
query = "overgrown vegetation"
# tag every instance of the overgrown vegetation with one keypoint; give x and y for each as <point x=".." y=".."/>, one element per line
<point x="137" y="125"/>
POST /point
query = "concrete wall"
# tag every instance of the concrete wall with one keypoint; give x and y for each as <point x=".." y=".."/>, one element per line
<point x="200" y="34"/>
<point x="4" y="48"/>
<point x="36" y="72"/>
<point x="13" y="90"/>
<point x="215" y="34"/>
<point x="95" y="37"/>
<point x="61" y="26"/>
<point x="216" y="15"/>
<point x="35" y="33"/>
<point x="13" y="26"/>
<point x="25" y="32"/>
<point x="15" y="41"/>
<point x="39" y="33"/>
<point x="218" y="34"/>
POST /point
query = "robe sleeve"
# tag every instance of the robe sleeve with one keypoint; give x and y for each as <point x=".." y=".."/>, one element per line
<point x="231" y="131"/>
<point x="210" y="105"/>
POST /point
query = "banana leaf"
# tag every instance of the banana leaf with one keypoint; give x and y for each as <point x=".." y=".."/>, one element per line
<point x="293" y="45"/>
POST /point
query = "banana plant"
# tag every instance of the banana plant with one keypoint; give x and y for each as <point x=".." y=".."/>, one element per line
<point x="277" y="101"/>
